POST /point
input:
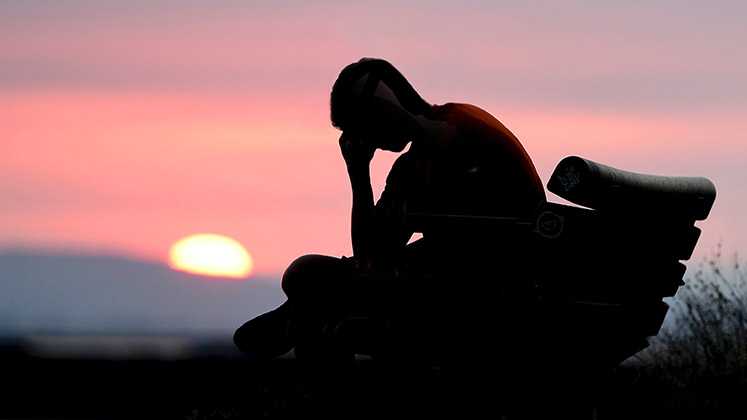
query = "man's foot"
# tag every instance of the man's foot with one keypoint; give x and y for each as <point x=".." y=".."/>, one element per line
<point x="266" y="336"/>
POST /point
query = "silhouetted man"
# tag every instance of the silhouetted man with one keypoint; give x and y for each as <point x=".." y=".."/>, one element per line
<point x="461" y="161"/>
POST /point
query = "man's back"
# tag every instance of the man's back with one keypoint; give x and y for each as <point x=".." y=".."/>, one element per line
<point x="476" y="166"/>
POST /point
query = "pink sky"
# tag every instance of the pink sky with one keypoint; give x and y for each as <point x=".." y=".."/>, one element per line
<point x="125" y="126"/>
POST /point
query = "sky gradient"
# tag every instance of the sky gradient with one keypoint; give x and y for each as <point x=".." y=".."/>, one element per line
<point x="127" y="125"/>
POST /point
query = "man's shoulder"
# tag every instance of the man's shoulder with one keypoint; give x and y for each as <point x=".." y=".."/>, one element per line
<point x="472" y="122"/>
<point x="460" y="110"/>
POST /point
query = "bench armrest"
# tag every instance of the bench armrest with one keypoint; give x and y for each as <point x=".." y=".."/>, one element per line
<point x="604" y="188"/>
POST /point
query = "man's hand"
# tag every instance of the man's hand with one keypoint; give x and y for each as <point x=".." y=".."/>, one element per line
<point x="356" y="152"/>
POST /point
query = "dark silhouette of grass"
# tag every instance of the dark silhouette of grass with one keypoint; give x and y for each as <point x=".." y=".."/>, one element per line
<point x="696" y="367"/>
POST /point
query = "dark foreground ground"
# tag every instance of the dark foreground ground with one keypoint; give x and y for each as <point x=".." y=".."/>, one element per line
<point x="229" y="386"/>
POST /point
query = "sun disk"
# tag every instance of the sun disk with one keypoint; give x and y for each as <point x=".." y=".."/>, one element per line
<point x="211" y="255"/>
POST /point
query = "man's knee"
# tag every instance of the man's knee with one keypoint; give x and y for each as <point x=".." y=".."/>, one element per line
<point x="308" y="273"/>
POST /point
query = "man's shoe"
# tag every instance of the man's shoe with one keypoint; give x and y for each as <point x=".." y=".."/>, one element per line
<point x="266" y="336"/>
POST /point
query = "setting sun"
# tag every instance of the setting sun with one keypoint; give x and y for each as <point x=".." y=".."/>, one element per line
<point x="211" y="255"/>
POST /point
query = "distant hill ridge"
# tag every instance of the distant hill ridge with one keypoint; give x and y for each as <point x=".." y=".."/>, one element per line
<point x="78" y="293"/>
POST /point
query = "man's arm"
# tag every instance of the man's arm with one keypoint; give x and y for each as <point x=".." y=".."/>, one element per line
<point x="358" y="157"/>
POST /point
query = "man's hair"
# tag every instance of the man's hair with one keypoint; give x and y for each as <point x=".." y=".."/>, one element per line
<point x="348" y="97"/>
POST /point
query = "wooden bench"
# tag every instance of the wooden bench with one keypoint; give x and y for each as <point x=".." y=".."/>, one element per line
<point x="579" y="285"/>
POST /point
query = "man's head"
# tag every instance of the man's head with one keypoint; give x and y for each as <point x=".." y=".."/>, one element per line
<point x="371" y="98"/>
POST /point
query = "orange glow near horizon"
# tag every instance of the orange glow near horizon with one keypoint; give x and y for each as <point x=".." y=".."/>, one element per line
<point x="211" y="255"/>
